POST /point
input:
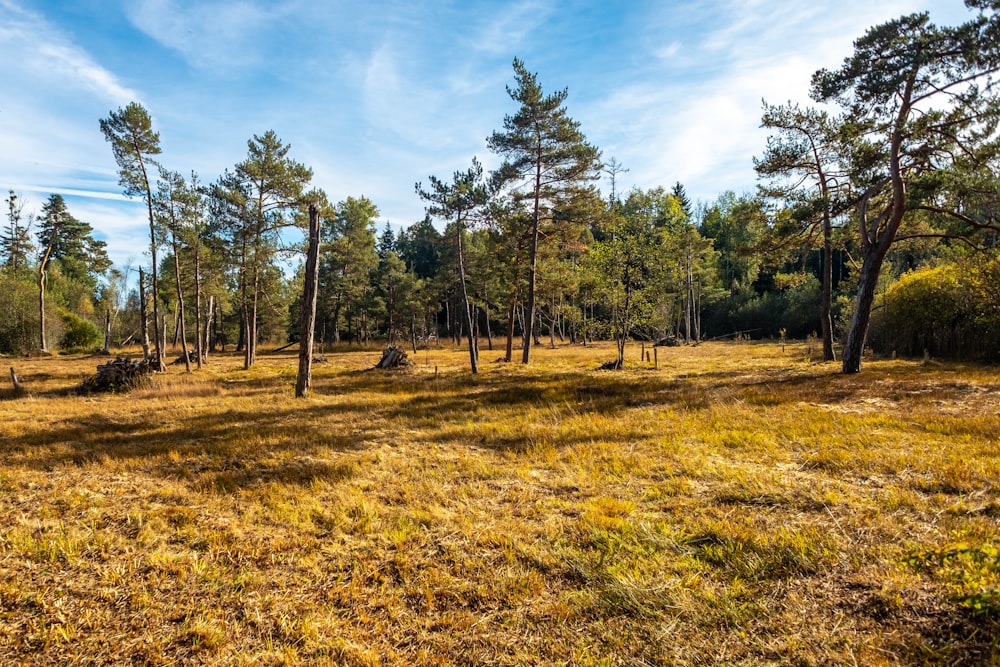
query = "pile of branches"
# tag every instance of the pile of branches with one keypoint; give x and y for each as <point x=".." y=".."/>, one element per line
<point x="393" y="357"/>
<point x="122" y="374"/>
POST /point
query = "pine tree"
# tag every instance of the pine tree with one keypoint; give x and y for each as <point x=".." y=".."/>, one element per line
<point x="134" y="143"/>
<point x="546" y="160"/>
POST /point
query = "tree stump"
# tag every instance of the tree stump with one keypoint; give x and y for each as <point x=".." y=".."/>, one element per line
<point x="393" y="357"/>
<point x="19" y="390"/>
<point x="122" y="374"/>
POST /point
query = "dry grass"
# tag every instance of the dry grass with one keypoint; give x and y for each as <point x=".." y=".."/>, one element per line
<point x="740" y="505"/>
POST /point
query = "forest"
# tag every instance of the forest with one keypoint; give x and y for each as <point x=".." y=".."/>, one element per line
<point x="873" y="228"/>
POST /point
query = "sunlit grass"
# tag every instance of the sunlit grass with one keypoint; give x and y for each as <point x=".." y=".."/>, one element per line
<point x="733" y="504"/>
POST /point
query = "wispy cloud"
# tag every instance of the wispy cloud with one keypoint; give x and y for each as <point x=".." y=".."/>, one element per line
<point x="221" y="35"/>
<point x="42" y="50"/>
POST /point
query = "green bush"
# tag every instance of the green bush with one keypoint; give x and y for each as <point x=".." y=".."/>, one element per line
<point x="19" y="324"/>
<point x="947" y="310"/>
<point x="79" y="334"/>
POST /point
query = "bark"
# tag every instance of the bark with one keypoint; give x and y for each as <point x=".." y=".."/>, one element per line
<point x="180" y="307"/>
<point x="107" y="332"/>
<point x="143" y="315"/>
<point x="511" y="314"/>
<point x="307" y="322"/>
<point x="199" y="346"/>
<point x="826" y="308"/>
<point x="529" y="316"/>
<point x="858" y="333"/>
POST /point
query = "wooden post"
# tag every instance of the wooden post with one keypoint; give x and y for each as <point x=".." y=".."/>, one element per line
<point x="307" y="323"/>
<point x="19" y="390"/>
<point x="656" y="358"/>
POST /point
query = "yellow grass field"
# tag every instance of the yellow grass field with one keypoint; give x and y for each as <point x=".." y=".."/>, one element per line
<point x="738" y="505"/>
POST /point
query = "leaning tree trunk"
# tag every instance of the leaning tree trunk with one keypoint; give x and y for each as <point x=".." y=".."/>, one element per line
<point x="858" y="333"/>
<point x="41" y="306"/>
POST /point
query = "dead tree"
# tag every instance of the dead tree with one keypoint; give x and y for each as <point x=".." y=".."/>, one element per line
<point x="307" y="323"/>
<point x="19" y="389"/>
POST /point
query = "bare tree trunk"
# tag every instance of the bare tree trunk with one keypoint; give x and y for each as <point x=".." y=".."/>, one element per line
<point x="41" y="284"/>
<point x="511" y="314"/>
<point x="180" y="307"/>
<point x="41" y="306"/>
<point x="199" y="346"/>
<point x="206" y="344"/>
<point x="307" y="322"/>
<point x="107" y="332"/>
<point x="489" y="332"/>
<point x="143" y="315"/>
<point x="826" y="307"/>
<point x="466" y="306"/>
<point x="858" y="333"/>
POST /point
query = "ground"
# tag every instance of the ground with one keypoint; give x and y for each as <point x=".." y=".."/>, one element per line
<point x="737" y="504"/>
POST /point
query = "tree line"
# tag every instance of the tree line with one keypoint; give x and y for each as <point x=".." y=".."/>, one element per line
<point x="874" y="224"/>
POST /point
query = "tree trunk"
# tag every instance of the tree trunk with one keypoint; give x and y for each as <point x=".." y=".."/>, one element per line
<point x="529" y="315"/>
<point x="199" y="347"/>
<point x="207" y="344"/>
<point x="41" y="309"/>
<point x="107" y="332"/>
<point x="489" y="332"/>
<point x="180" y="307"/>
<point x="143" y="315"/>
<point x="826" y="299"/>
<point x="511" y="314"/>
<point x="307" y="321"/>
<point x="857" y="335"/>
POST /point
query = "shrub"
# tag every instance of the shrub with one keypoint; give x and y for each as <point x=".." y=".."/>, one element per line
<point x="944" y="310"/>
<point x="79" y="334"/>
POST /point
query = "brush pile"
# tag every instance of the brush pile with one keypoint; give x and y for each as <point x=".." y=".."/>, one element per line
<point x="393" y="357"/>
<point x="122" y="374"/>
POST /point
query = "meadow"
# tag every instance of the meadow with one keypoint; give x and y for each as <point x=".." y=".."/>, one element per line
<point x="737" y="504"/>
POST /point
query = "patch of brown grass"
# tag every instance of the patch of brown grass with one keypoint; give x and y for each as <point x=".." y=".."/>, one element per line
<point x="739" y="504"/>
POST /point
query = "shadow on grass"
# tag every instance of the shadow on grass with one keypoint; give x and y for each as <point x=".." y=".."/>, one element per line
<point x="372" y="405"/>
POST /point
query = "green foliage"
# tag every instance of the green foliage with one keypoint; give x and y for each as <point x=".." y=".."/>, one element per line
<point x="19" y="324"/>
<point x="70" y="243"/>
<point x="548" y="168"/>
<point x="971" y="573"/>
<point x="951" y="310"/>
<point x="15" y="240"/>
<point x="79" y="334"/>
<point x="347" y="263"/>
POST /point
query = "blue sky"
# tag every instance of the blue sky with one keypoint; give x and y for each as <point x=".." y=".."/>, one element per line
<point x="375" y="96"/>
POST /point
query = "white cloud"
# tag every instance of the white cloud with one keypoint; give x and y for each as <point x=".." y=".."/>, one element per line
<point x="219" y="35"/>
<point x="43" y="53"/>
